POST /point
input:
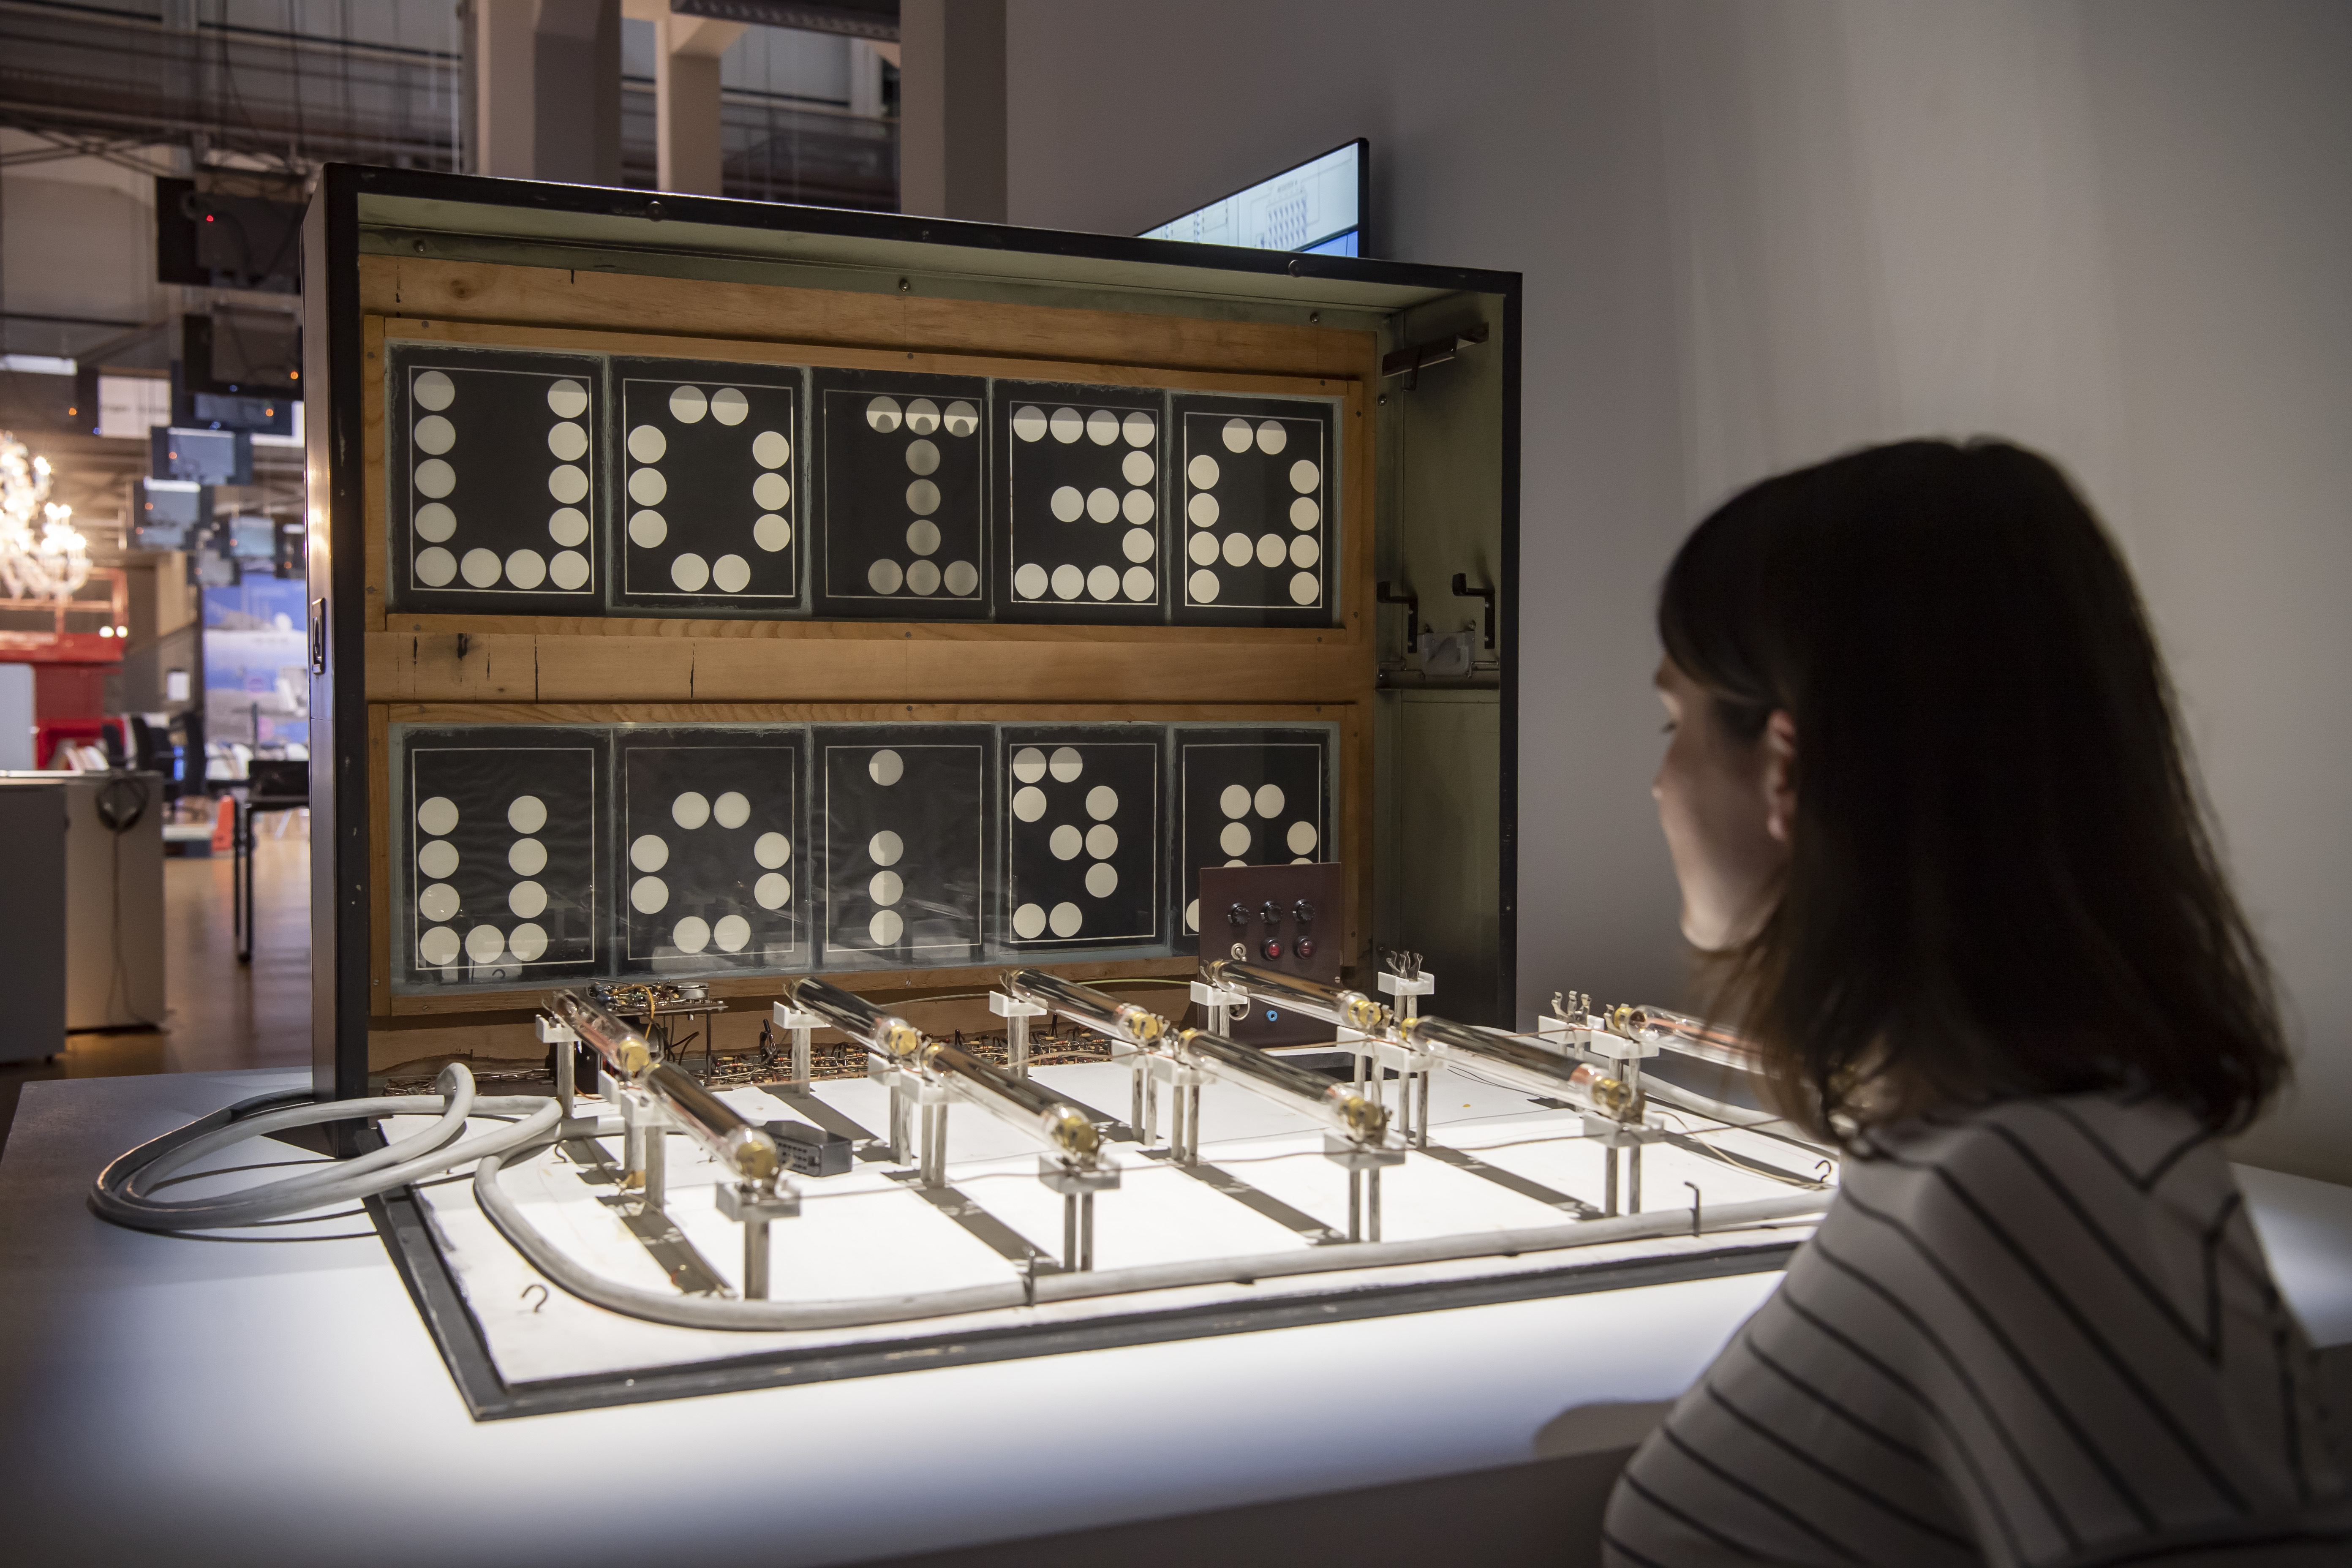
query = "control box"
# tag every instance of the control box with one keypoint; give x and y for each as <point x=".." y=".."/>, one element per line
<point x="1285" y="917"/>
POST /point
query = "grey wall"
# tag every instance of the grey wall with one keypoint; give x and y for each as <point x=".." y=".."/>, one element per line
<point x="1755" y="234"/>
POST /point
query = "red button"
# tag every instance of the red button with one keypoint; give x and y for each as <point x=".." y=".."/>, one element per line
<point x="1273" y="948"/>
<point x="1306" y="947"/>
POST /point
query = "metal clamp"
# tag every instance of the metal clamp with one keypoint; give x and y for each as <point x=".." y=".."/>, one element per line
<point x="1077" y="1185"/>
<point x="1363" y="1165"/>
<point x="754" y="1207"/>
<point x="1232" y="998"/>
<point x="797" y="1023"/>
<point x="645" y="1139"/>
<point x="566" y="1041"/>
<point x="1016" y="1014"/>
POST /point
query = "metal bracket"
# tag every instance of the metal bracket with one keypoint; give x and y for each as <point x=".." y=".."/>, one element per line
<point x="1363" y="1165"/>
<point x="797" y="1025"/>
<point x="1016" y="1014"/>
<point x="1078" y="1184"/>
<point x="754" y="1207"/>
<point x="1232" y="998"/>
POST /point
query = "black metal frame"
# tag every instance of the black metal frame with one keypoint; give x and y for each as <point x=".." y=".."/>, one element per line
<point x="339" y="787"/>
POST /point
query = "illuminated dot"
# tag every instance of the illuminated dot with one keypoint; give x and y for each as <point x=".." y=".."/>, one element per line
<point x="1305" y="475"/>
<point x="527" y="900"/>
<point x="1202" y="473"/>
<point x="650" y="852"/>
<point x="1102" y="426"/>
<point x="688" y="405"/>
<point x="437" y="946"/>
<point x="771" y="492"/>
<point x="527" y="858"/>
<point x="569" y="570"/>
<point x="649" y="894"/>
<point x="437" y="816"/>
<point x="923" y="577"/>
<point x="1068" y="581"/>
<point x="1305" y="589"/>
<point x="1302" y="838"/>
<point x="1067" y="842"/>
<point x="1236" y="838"/>
<point x="1138" y="429"/>
<point x="922" y="536"/>
<point x="437" y="902"/>
<point x="567" y="526"/>
<point x="1103" y="583"/>
<point x="1029" y="802"/>
<point x="527" y="814"/>
<point x="433" y="390"/>
<point x="884" y="887"/>
<point x="922" y="416"/>
<point x="567" y="399"/>
<point x="1304" y="513"/>
<point x="731" y="574"/>
<point x="885" y="576"/>
<point x="771" y="892"/>
<point x="690" y="810"/>
<point x="1066" y="919"/>
<point x="481" y="567"/>
<point x="529" y="942"/>
<point x="1102" y="802"/>
<point x="1237" y="435"/>
<point x="567" y="442"/>
<point x="772" y="533"/>
<point x="1136" y="468"/>
<point x="647" y="530"/>
<point x="434" y="478"/>
<point x="1029" y="423"/>
<point x="1138" y="582"/>
<point x="1139" y="508"/>
<point x="962" y="578"/>
<point x="1272" y="437"/>
<point x="1102" y="505"/>
<point x="690" y="573"/>
<point x="1192" y="915"/>
<point x="1102" y="881"/>
<point x="922" y="457"/>
<point x="922" y="498"/>
<point x="772" y="850"/>
<point x="1202" y="587"/>
<point x="1102" y="840"/>
<point x="960" y="419"/>
<point x="436" y="435"/>
<point x="1239" y="548"/>
<point x="885" y="929"/>
<point x="1029" y="764"/>
<point x="729" y="405"/>
<point x="732" y="934"/>
<point x="1305" y="551"/>
<point x="1068" y="764"/>
<point x="885" y="848"/>
<point x="1203" y="511"/>
<point x="647" y="443"/>
<point x="1066" y="503"/>
<point x="691" y="935"/>
<point x="1273" y="550"/>
<point x="434" y="523"/>
<point x="771" y="450"/>
<point x="526" y="569"/>
<point x="1203" y="548"/>
<point x="646" y="487"/>
<point x="882" y="415"/>
<point x="484" y="943"/>
<point x="1029" y="922"/>
<point x="731" y="810"/>
<point x="1066" y="425"/>
<point x="884" y="768"/>
<point x="1235" y="800"/>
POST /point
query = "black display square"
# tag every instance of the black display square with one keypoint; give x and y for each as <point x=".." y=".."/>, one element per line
<point x="1082" y="853"/>
<point x="1258" y="499"/>
<point x="1082" y="493"/>
<point x="711" y="849"/>
<point x="904" y="529"/>
<point x="904" y="823"/>
<point x="494" y="854"/>
<point x="493" y="467"/>
<point x="712" y="479"/>
<point x="1257" y="796"/>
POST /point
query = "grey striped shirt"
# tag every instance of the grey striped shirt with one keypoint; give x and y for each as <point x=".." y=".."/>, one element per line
<point x="2042" y="1333"/>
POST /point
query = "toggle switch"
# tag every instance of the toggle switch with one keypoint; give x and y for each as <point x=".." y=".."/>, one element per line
<point x="1273" y="948"/>
<point x="1241" y="954"/>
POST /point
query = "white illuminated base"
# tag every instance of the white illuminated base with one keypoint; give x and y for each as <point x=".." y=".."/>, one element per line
<point x="871" y="1233"/>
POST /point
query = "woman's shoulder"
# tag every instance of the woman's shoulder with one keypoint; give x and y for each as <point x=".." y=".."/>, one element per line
<point x="2109" y="1145"/>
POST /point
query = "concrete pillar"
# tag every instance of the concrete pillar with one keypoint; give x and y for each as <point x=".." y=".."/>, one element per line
<point x="501" y="58"/>
<point x="685" y="101"/>
<point x="546" y="89"/>
<point x="951" y="109"/>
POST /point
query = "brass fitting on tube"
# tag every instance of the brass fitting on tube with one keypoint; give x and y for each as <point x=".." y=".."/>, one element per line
<point x="624" y="1051"/>
<point x="1076" y="1136"/>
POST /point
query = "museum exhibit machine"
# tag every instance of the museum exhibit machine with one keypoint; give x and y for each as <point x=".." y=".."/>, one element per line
<point x="982" y="759"/>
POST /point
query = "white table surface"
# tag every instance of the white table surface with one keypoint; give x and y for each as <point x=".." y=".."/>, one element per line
<point x="191" y="1401"/>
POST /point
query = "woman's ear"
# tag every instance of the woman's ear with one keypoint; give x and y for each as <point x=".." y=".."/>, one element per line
<point x="1780" y="776"/>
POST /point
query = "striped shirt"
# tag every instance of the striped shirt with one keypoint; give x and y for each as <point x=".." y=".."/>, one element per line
<point x="2040" y="1332"/>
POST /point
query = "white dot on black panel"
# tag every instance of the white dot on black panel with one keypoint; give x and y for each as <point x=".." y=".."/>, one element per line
<point x="1102" y="840"/>
<point x="690" y="810"/>
<point x="1238" y="435"/>
<point x="885" y="576"/>
<point x="729" y="405"/>
<point x="1068" y="581"/>
<point x="1234" y="839"/>
<point x="1192" y="915"/>
<point x="1138" y="583"/>
<point x="1029" y="922"/>
<point x="527" y="900"/>
<point x="1029" y="764"/>
<point x="1203" y="511"/>
<point x="1234" y="800"/>
<point x="884" y="887"/>
<point x="1203" y="549"/>
<point x="567" y="525"/>
<point x="1029" y="423"/>
<point x="885" y="767"/>
<point x="437" y="946"/>
<point x="436" y="478"/>
<point x="484" y="943"/>
<point x="688" y="405"/>
<point x="1066" y="919"/>
<point x="1302" y="837"/>
<point x="922" y="416"/>
<point x="690" y="572"/>
<point x="771" y="491"/>
<point x="922" y="536"/>
<point x="567" y="399"/>
<point x="884" y="928"/>
<point x="962" y="578"/>
<point x="1272" y="437"/>
<point x="482" y="567"/>
<point x="1305" y="551"/>
<point x="691" y="935"/>
<point x="922" y="456"/>
<point x="731" y="810"/>
<point x="1102" y="802"/>
<point x="1202" y="471"/>
<point x="1136" y="468"/>
<point x="1305" y="475"/>
<point x="569" y="570"/>
<point x="1102" y="505"/>
<point x="567" y="441"/>
<point x="647" y="530"/>
<point x="882" y="415"/>
<point x="1103" y="583"/>
<point x="1066" y="425"/>
<point x="1138" y="506"/>
<point x="1029" y="802"/>
<point x="1305" y="589"/>
<point x="527" y="858"/>
<point x="1066" y="764"/>
<point x="1102" y="881"/>
<point x="1202" y="587"/>
<point x="923" y="578"/>
<point x="529" y="942"/>
<point x="646" y="487"/>
<point x="435" y="434"/>
<point x="433" y="390"/>
<point x="568" y="484"/>
<point x="1273" y="550"/>
<point x="1239" y="548"/>
<point x="1231" y="863"/>
<point x="731" y="933"/>
<point x="1102" y="426"/>
<point x="771" y="450"/>
<point x="437" y="816"/>
<point x="647" y="443"/>
<point x="1065" y="842"/>
<point x="731" y="574"/>
<point x="1068" y="504"/>
<point x="922" y="498"/>
<point x="526" y="814"/>
<point x="650" y="852"/>
<point x="649" y="894"/>
<point x="1030" y="581"/>
<point x="960" y="419"/>
<point x="1305" y="513"/>
<point x="1302" y="860"/>
<point x="772" y="850"/>
<point x="437" y="902"/>
<point x="1138" y="429"/>
<point x="1269" y="800"/>
<point x="526" y="568"/>
<point x="771" y="892"/>
<point x="436" y="567"/>
<point x="771" y="532"/>
<point x="434" y="523"/>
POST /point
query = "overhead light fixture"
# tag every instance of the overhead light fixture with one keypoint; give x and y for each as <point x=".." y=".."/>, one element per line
<point x="42" y="554"/>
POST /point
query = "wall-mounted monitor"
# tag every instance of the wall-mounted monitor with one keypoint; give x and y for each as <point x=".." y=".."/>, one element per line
<point x="203" y="456"/>
<point x="172" y="514"/>
<point x="1321" y="206"/>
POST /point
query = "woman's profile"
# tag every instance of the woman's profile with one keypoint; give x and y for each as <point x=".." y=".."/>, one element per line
<point x="1937" y="839"/>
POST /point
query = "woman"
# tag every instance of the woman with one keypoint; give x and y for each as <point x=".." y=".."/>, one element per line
<point x="1928" y="809"/>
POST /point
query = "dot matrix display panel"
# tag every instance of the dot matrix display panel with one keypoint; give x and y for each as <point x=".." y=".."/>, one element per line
<point x="738" y="848"/>
<point x="575" y="484"/>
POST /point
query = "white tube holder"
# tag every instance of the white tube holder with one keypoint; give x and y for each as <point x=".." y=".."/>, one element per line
<point x="798" y="1024"/>
<point x="1016" y="1014"/>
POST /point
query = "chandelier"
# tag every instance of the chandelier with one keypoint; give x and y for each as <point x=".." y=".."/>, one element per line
<point x="50" y="564"/>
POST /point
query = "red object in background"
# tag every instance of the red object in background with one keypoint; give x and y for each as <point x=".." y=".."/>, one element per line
<point x="51" y="733"/>
<point x="225" y="824"/>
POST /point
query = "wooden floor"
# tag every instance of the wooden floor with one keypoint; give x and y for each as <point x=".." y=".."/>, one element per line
<point x="221" y="1014"/>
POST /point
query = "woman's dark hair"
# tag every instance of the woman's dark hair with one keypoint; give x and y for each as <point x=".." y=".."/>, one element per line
<point x="2000" y="881"/>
